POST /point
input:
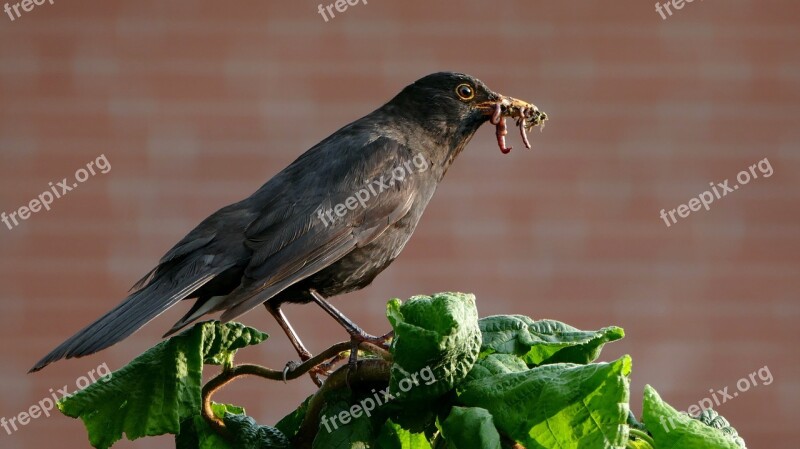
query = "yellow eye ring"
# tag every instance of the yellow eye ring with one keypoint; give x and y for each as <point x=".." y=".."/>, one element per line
<point x="465" y="92"/>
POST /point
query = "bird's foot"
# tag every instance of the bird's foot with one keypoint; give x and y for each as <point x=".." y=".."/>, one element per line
<point x="326" y="368"/>
<point x="352" y="362"/>
<point x="380" y="346"/>
<point x="382" y="341"/>
<point x="291" y="365"/>
<point x="314" y="373"/>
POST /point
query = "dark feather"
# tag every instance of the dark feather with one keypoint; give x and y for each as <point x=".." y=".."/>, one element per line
<point x="131" y="314"/>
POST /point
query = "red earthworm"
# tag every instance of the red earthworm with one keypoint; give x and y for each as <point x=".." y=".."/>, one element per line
<point x="498" y="110"/>
<point x="500" y="127"/>
<point x="501" y="132"/>
<point x="524" y="123"/>
<point x="524" y="134"/>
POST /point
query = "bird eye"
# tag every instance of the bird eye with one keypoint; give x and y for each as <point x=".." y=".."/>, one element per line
<point x="465" y="92"/>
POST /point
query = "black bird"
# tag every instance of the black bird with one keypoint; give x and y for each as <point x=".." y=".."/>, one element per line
<point x="325" y="225"/>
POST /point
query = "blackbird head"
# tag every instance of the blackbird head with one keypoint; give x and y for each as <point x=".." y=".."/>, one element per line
<point x="452" y="106"/>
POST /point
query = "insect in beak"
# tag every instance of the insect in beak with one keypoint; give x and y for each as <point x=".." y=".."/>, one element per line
<point x="526" y="115"/>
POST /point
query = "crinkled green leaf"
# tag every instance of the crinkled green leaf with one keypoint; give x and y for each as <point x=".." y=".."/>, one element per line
<point x="559" y="405"/>
<point x="495" y="364"/>
<point x="158" y="390"/>
<point x="543" y="341"/>
<point x="340" y="429"/>
<point x="247" y="434"/>
<point x="221" y="341"/>
<point x="674" y="430"/>
<point x="197" y="434"/>
<point x="712" y="418"/>
<point x="392" y="436"/>
<point x="436" y="342"/>
<point x="244" y="431"/>
<point x="470" y="427"/>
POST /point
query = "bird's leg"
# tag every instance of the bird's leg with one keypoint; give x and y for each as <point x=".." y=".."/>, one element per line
<point x="275" y="311"/>
<point x="356" y="333"/>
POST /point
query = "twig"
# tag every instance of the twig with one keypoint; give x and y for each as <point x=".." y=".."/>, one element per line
<point x="375" y="349"/>
<point x="232" y="373"/>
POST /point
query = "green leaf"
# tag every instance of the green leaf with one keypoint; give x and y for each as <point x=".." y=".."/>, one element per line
<point x="392" y="436"/>
<point x="495" y="364"/>
<point x="247" y="434"/>
<point x="473" y="427"/>
<point x="158" y="390"/>
<point x="290" y="424"/>
<point x="713" y="419"/>
<point x="221" y="341"/>
<point x="197" y="434"/>
<point x="436" y="343"/>
<point x="674" y="430"/>
<point x="340" y="429"/>
<point x="558" y="405"/>
<point x="544" y="341"/>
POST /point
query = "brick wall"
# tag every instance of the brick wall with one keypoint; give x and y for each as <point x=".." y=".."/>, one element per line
<point x="196" y="104"/>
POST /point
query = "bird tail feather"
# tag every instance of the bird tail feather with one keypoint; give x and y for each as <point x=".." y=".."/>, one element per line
<point x="139" y="308"/>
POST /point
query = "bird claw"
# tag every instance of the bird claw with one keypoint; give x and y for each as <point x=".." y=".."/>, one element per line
<point x="326" y="368"/>
<point x="315" y="378"/>
<point x="290" y="365"/>
<point x="314" y="373"/>
<point x="381" y="342"/>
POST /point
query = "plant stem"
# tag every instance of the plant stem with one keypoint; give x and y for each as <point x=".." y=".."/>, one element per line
<point x="643" y="436"/>
<point x="229" y="374"/>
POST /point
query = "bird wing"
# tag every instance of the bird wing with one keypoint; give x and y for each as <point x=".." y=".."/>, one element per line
<point x="306" y="243"/>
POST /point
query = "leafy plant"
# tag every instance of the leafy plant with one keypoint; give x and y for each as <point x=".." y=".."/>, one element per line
<point x="448" y="381"/>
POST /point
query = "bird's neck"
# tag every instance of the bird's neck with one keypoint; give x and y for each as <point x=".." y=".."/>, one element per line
<point x="428" y="132"/>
